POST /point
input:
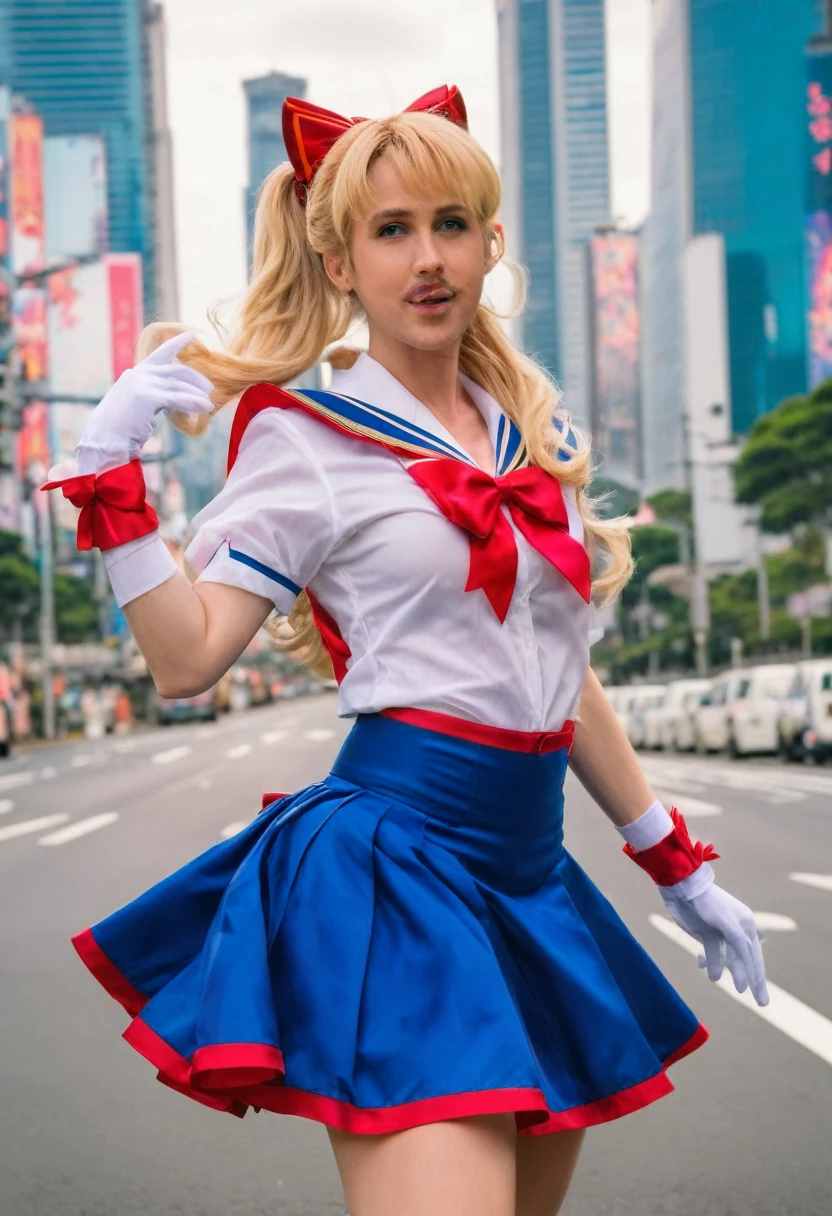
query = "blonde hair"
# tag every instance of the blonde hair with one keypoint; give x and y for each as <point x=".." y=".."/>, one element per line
<point x="292" y="312"/>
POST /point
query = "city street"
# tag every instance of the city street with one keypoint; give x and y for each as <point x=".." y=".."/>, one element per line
<point x="85" y="1130"/>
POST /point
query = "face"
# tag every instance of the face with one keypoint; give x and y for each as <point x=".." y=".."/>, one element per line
<point x="416" y="264"/>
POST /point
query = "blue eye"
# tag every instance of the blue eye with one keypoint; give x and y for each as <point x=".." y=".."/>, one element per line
<point x="460" y="223"/>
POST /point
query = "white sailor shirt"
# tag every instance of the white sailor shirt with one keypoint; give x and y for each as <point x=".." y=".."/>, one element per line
<point x="307" y="506"/>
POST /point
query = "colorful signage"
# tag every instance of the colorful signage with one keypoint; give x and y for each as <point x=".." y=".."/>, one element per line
<point x="616" y="403"/>
<point x="27" y="218"/>
<point x="5" y="116"/>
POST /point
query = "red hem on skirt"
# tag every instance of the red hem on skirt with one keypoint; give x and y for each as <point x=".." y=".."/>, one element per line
<point x="229" y="1077"/>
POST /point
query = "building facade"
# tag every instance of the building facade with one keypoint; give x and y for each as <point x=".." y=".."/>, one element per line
<point x="87" y="66"/>
<point x="264" y="104"/>
<point x="728" y="158"/>
<point x="555" y="169"/>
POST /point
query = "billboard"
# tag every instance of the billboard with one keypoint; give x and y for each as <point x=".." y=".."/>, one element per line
<point x="5" y="184"/>
<point x="75" y="188"/>
<point x="27" y="218"/>
<point x="33" y="458"/>
<point x="95" y="315"/>
<point x="818" y="223"/>
<point x="30" y="331"/>
<point x="617" y="343"/>
<point x="819" y="277"/>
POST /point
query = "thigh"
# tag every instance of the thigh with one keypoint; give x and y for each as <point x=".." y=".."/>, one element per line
<point x="461" y="1167"/>
<point x="545" y="1165"/>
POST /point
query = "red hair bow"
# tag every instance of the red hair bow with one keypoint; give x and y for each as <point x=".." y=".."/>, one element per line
<point x="309" y="131"/>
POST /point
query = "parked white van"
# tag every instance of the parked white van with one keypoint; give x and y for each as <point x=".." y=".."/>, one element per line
<point x="646" y="698"/>
<point x="672" y="725"/>
<point x="804" y="725"/>
<point x="713" y="714"/>
<point x="756" y="709"/>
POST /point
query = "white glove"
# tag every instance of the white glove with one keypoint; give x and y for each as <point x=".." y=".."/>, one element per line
<point x="727" y="931"/>
<point x="122" y="422"/>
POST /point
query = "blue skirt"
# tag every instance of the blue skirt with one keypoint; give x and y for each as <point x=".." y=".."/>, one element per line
<point x="403" y="942"/>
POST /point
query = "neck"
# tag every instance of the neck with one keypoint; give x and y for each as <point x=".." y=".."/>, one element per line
<point x="431" y="376"/>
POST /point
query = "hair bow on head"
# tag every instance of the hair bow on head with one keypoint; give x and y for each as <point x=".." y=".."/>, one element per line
<point x="309" y="131"/>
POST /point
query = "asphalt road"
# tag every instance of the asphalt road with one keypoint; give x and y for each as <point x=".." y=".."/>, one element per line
<point x="85" y="1130"/>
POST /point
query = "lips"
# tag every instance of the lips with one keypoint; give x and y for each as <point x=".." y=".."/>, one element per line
<point x="429" y="295"/>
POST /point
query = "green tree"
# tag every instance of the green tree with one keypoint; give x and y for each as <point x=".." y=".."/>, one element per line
<point x="19" y="589"/>
<point x="786" y="465"/>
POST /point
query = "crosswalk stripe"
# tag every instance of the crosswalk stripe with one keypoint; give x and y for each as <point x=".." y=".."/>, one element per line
<point x="273" y="736"/>
<point x="32" y="825"/>
<point x="785" y="1012"/>
<point x="13" y="781"/>
<point x="691" y="807"/>
<point x="823" y="882"/>
<point x="6" y="805"/>
<point x="237" y="753"/>
<point x="82" y="828"/>
<point x="319" y="735"/>
<point x="174" y="753"/>
<point x="233" y="828"/>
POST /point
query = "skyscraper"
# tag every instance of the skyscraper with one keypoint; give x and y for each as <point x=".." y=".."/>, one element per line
<point x="555" y="170"/>
<point x="264" y="97"/>
<point x="728" y="157"/>
<point x="86" y="68"/>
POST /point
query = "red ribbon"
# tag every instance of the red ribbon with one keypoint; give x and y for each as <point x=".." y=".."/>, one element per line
<point x="674" y="857"/>
<point x="472" y="499"/>
<point x="113" y="506"/>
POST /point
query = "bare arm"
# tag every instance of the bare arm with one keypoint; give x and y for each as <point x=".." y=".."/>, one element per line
<point x="604" y="761"/>
<point x="191" y="634"/>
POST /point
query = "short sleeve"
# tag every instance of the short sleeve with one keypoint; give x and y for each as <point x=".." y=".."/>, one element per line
<point x="273" y="523"/>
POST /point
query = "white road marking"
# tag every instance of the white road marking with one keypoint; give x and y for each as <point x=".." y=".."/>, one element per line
<point x="774" y="921"/>
<point x="6" y="805"/>
<point x="785" y="1012"/>
<point x="175" y="753"/>
<point x="823" y="882"/>
<point x="273" y="736"/>
<point x="82" y="828"/>
<point x="203" y="732"/>
<point x="12" y="781"/>
<point x="691" y="808"/>
<point x="318" y="736"/>
<point x="233" y="828"/>
<point x="32" y="825"/>
<point x="127" y="745"/>
<point x="237" y="753"/>
<point x="46" y="774"/>
<point x="87" y="758"/>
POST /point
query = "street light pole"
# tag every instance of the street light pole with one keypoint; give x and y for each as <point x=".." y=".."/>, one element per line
<point x="47" y="615"/>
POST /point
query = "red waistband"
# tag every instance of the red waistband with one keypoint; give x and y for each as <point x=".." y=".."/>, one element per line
<point x="533" y="741"/>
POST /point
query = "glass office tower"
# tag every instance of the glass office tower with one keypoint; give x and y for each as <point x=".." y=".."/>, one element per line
<point x="555" y="168"/>
<point x="85" y="67"/>
<point x="264" y="100"/>
<point x="728" y="157"/>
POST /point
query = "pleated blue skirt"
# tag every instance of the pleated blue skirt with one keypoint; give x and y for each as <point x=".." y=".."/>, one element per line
<point x="403" y="942"/>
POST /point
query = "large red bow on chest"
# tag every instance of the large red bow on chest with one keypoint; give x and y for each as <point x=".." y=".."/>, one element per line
<point x="113" y="507"/>
<point x="472" y="499"/>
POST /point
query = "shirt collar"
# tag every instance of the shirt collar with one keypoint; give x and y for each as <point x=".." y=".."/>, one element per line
<point x="370" y="381"/>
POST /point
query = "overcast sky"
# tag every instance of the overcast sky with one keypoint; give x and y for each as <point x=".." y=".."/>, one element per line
<point x="368" y="57"/>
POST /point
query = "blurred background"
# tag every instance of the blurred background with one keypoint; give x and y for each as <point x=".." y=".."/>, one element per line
<point x="667" y="173"/>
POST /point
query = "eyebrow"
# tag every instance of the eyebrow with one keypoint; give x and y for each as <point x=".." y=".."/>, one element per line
<point x="400" y="213"/>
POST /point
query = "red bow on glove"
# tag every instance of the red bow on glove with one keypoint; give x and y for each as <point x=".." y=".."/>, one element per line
<point x="472" y="498"/>
<point x="113" y="506"/>
<point x="309" y="131"/>
<point x="674" y="857"/>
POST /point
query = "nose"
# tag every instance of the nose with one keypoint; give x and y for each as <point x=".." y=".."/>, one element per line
<point x="428" y="257"/>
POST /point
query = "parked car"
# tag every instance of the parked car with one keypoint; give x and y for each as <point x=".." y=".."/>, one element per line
<point x="753" y="723"/>
<point x="804" y="724"/>
<point x="713" y="715"/>
<point x="670" y="725"/>
<point x="646" y="698"/>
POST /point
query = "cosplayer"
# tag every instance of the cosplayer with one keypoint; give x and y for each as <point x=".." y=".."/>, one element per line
<point x="404" y="950"/>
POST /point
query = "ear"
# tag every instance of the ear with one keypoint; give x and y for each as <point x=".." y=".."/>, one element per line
<point x="497" y="247"/>
<point x="335" y="268"/>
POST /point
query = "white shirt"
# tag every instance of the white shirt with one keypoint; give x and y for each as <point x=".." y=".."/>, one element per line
<point x="308" y="506"/>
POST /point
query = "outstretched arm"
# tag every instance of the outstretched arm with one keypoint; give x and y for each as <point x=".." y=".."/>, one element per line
<point x="606" y="765"/>
<point x="603" y="759"/>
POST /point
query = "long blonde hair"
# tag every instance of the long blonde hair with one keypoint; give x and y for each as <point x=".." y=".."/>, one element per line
<point x="292" y="312"/>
